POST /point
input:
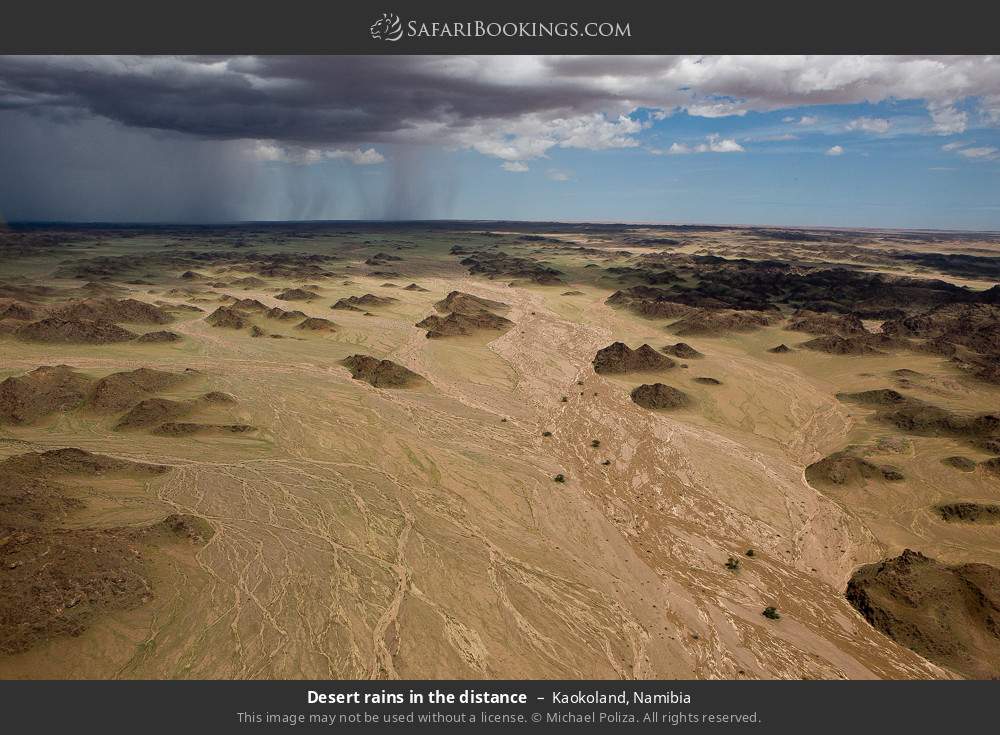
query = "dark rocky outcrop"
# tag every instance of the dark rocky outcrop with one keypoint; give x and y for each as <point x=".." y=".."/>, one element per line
<point x="381" y="373"/>
<point x="847" y="468"/>
<point x="57" y="579"/>
<point x="455" y="325"/>
<point x="72" y="461"/>
<point x="618" y="358"/>
<point x="369" y="300"/>
<point x="682" y="350"/>
<point x="658" y="396"/>
<point x="55" y="582"/>
<point x="56" y="330"/>
<point x="113" y="310"/>
<point x="246" y="304"/>
<point x="924" y="419"/>
<point x="974" y="326"/>
<point x="866" y="344"/>
<point x="648" y="302"/>
<point x="182" y="428"/>
<point x="282" y="315"/>
<point x="969" y="512"/>
<point x="118" y="391"/>
<point x="987" y="444"/>
<point x="495" y="264"/>
<point x="877" y="397"/>
<point x="296" y="294"/>
<point x="963" y="464"/>
<point x="469" y="314"/>
<point x="652" y="276"/>
<point x="152" y="411"/>
<point x="720" y="322"/>
<point x="218" y="396"/>
<point x="47" y="390"/>
<point x="228" y="318"/>
<point x="967" y="332"/>
<point x="820" y="323"/>
<point x="158" y="337"/>
<point x="43" y="391"/>
<point x="316" y="324"/>
<point x="18" y="311"/>
<point x="382" y="259"/>
<point x="947" y="614"/>
<point x="459" y="302"/>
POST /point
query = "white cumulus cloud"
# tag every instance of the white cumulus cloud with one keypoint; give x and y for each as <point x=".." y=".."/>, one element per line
<point x="877" y="125"/>
<point x="947" y="119"/>
<point x="358" y="157"/>
<point x="270" y="151"/>
<point x="966" y="149"/>
<point x="978" y="152"/>
<point x="713" y="144"/>
<point x="532" y="136"/>
<point x="836" y="150"/>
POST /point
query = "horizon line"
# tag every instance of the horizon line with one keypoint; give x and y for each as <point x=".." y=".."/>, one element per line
<point x="621" y="223"/>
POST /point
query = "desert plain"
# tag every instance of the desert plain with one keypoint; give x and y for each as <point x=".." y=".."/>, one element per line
<point x="498" y="450"/>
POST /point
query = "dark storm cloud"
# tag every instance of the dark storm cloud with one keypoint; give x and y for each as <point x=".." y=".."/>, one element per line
<point x="317" y="100"/>
<point x="304" y="100"/>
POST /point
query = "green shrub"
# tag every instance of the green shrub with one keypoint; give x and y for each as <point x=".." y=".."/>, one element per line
<point x="771" y="612"/>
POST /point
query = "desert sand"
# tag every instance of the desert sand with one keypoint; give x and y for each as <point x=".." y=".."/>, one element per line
<point x="248" y="452"/>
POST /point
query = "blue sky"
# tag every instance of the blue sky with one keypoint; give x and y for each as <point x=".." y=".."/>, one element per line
<point x="863" y="165"/>
<point x="868" y="141"/>
<point x="901" y="177"/>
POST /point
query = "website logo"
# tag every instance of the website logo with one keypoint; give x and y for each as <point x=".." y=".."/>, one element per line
<point x="390" y="28"/>
<point x="387" y="28"/>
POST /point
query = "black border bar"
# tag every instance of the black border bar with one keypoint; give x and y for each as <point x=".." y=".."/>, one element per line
<point x="770" y="707"/>
<point x="334" y="26"/>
